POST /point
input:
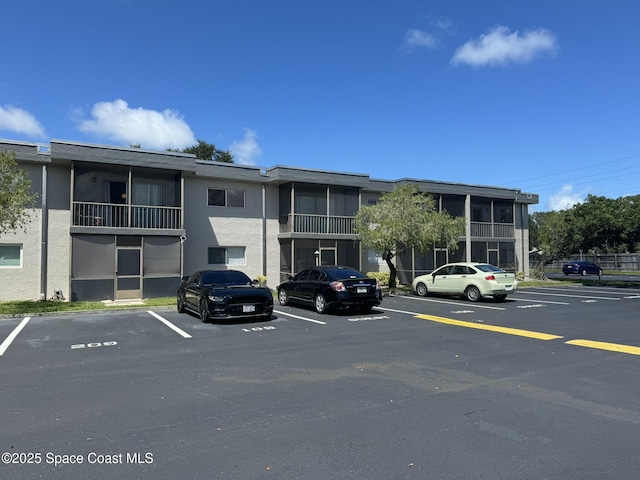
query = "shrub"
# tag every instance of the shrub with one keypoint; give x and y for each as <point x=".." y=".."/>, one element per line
<point x="382" y="277"/>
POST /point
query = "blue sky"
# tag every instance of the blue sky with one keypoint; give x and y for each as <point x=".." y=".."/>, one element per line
<point x="543" y="95"/>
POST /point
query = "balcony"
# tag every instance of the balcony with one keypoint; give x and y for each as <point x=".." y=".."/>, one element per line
<point x="92" y="214"/>
<point x="320" y="224"/>
<point x="492" y="230"/>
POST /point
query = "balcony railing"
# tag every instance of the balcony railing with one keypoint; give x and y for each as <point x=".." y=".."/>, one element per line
<point x="328" y="224"/>
<point x="492" y="230"/>
<point x="90" y="214"/>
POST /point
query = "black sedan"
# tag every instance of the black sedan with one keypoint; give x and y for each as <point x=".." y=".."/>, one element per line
<point x="581" y="267"/>
<point x="223" y="295"/>
<point x="331" y="287"/>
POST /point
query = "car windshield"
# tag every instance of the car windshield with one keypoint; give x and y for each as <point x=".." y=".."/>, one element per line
<point x="488" y="268"/>
<point x="225" y="278"/>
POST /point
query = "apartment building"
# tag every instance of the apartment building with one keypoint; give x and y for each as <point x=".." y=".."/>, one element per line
<point x="121" y="223"/>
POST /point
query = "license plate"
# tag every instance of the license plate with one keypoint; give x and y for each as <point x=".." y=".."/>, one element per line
<point x="248" y="308"/>
<point x="508" y="288"/>
<point x="361" y="290"/>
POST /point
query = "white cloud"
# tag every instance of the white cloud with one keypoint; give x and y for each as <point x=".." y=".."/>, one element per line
<point x="149" y="128"/>
<point x="20" y="121"/>
<point x="418" y="38"/>
<point x="565" y="198"/>
<point x="246" y="150"/>
<point x="500" y="47"/>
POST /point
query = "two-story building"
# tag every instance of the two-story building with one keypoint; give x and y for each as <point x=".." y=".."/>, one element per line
<point x="121" y="223"/>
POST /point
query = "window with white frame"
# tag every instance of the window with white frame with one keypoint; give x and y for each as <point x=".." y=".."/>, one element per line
<point x="217" y="197"/>
<point x="10" y="256"/>
<point x="231" y="256"/>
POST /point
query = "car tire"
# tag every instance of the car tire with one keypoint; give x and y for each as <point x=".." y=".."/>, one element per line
<point x="583" y="272"/>
<point x="366" y="309"/>
<point x="204" y="311"/>
<point x="566" y="273"/>
<point x="282" y="297"/>
<point x="472" y="293"/>
<point x="320" y="303"/>
<point x="180" y="303"/>
<point x="421" y="289"/>
<point x="499" y="298"/>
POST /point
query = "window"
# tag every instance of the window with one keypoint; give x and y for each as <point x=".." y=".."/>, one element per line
<point x="226" y="256"/>
<point x="225" y="198"/>
<point x="374" y="258"/>
<point x="10" y="256"/>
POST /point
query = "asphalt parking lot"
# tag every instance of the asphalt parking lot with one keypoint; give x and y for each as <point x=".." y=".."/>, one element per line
<point x="543" y="385"/>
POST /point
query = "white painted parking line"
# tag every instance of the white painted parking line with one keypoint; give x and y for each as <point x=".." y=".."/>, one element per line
<point x="519" y="299"/>
<point x="169" y="324"/>
<point x="399" y="311"/>
<point x="573" y="296"/>
<point x="433" y="300"/>
<point x="299" y="318"/>
<point x="606" y="291"/>
<point x="12" y="336"/>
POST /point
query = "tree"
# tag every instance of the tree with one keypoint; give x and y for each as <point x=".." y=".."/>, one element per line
<point x="15" y="194"/>
<point x="406" y="218"/>
<point x="599" y="222"/>
<point x="208" y="151"/>
<point x="555" y="236"/>
<point x="629" y="208"/>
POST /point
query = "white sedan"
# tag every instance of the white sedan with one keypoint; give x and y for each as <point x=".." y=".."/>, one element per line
<point x="471" y="279"/>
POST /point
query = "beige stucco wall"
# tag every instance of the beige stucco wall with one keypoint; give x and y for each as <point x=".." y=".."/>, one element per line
<point x="23" y="283"/>
<point x="208" y="226"/>
<point x="59" y="252"/>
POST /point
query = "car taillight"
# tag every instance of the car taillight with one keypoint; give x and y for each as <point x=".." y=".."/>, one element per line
<point x="378" y="285"/>
<point x="337" y="286"/>
<point x="490" y="277"/>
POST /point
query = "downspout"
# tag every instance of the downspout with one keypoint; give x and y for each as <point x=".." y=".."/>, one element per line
<point x="44" y="237"/>
<point x="264" y="230"/>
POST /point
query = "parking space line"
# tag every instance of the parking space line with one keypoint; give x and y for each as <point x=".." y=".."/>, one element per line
<point x="433" y="300"/>
<point x="399" y="311"/>
<point x="12" y="336"/>
<point x="299" y="318"/>
<point x="574" y="296"/>
<point x="493" y="328"/>
<point x="518" y="299"/>
<point x="612" y="347"/>
<point x="169" y="324"/>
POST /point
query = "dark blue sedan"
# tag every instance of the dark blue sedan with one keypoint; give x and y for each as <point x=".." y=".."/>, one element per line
<point x="581" y="267"/>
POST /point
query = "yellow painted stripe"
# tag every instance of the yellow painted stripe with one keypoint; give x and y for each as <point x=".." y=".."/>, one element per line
<point x="612" y="347"/>
<point x="492" y="328"/>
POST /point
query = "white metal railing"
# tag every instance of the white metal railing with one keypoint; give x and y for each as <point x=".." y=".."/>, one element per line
<point x="492" y="230"/>
<point x="340" y="225"/>
<point x="92" y="214"/>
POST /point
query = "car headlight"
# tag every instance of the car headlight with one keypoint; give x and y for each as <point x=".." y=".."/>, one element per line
<point x="216" y="298"/>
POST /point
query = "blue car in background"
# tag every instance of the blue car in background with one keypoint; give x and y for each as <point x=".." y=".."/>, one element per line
<point x="581" y="267"/>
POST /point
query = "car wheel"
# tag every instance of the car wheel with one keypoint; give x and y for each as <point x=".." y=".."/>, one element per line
<point x="583" y="272"/>
<point x="499" y="298"/>
<point x="366" y="309"/>
<point x="421" y="289"/>
<point x="566" y="273"/>
<point x="472" y="293"/>
<point x="180" y="303"/>
<point x="320" y="303"/>
<point x="204" y="310"/>
<point x="282" y="297"/>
